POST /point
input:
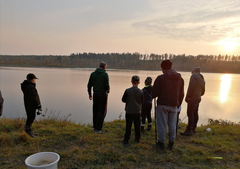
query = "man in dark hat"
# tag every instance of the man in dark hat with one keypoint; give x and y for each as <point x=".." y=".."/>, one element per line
<point x="196" y="89"/>
<point x="168" y="88"/>
<point x="31" y="102"/>
<point x="99" y="81"/>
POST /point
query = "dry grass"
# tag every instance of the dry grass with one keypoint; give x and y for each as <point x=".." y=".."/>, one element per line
<point x="79" y="147"/>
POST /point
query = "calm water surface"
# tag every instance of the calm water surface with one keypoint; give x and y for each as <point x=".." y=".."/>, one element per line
<point x="63" y="91"/>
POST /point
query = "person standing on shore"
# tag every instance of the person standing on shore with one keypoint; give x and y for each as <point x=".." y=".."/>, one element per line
<point x="133" y="97"/>
<point x="99" y="81"/>
<point x="169" y="89"/>
<point x="147" y="104"/>
<point x="31" y="102"/>
<point x="1" y="103"/>
<point x="196" y="89"/>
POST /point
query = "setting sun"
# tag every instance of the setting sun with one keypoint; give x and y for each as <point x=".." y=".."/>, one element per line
<point x="228" y="44"/>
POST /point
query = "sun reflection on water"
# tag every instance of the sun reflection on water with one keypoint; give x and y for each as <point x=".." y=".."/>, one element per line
<point x="225" y="86"/>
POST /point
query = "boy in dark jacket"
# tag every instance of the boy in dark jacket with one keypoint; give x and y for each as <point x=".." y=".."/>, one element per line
<point x="31" y="101"/>
<point x="147" y="104"/>
<point x="133" y="97"/>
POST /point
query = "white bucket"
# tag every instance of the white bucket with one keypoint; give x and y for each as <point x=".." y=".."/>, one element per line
<point x="43" y="160"/>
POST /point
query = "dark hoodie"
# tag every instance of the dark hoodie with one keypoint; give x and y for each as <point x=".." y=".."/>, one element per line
<point x="169" y="88"/>
<point x="99" y="81"/>
<point x="31" y="97"/>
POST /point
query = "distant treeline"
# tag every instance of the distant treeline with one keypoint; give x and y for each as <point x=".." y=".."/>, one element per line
<point x="207" y="63"/>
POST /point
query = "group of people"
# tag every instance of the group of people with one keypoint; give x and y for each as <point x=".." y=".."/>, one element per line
<point x="168" y="88"/>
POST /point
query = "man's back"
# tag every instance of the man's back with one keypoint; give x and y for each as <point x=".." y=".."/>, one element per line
<point x="169" y="88"/>
<point x="99" y="81"/>
<point x="133" y="97"/>
<point x="196" y="86"/>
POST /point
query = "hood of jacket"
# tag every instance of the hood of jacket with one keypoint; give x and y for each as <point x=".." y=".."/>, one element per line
<point x="25" y="84"/>
<point x="172" y="74"/>
<point x="100" y="70"/>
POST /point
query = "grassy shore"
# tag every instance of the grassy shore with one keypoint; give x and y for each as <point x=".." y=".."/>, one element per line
<point x="79" y="147"/>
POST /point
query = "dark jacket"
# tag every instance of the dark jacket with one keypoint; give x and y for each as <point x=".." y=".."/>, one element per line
<point x="133" y="97"/>
<point x="99" y="81"/>
<point x="196" y="87"/>
<point x="169" y="88"/>
<point x="31" y="97"/>
<point x="147" y="92"/>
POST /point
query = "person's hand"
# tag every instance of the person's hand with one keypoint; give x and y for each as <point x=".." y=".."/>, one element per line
<point x="90" y="97"/>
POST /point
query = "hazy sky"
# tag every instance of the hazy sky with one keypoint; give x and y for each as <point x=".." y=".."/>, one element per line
<point x="62" y="27"/>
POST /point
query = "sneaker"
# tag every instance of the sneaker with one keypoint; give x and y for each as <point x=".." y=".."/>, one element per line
<point x="160" y="145"/>
<point x="125" y="143"/>
<point x="98" y="131"/>
<point x="170" y="145"/>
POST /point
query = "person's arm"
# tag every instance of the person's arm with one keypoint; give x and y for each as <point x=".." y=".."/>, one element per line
<point x="1" y="103"/>
<point x="124" y="97"/>
<point x="203" y="88"/>
<point x="191" y="86"/>
<point x="181" y="94"/>
<point x="155" y="89"/>
<point x="107" y="86"/>
<point x="89" y="87"/>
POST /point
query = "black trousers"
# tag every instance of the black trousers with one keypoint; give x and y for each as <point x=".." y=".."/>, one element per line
<point x="99" y="105"/>
<point x="31" y="115"/>
<point x="135" y="118"/>
<point x="192" y="112"/>
<point x="146" y="113"/>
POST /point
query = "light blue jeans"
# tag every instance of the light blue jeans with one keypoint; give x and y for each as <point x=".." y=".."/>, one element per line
<point x="166" y="115"/>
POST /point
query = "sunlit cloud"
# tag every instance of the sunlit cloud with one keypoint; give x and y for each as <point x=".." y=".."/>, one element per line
<point x="204" y="23"/>
<point x="225" y="87"/>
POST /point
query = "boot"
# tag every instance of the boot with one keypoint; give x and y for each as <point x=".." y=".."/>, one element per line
<point x="170" y="145"/>
<point x="160" y="145"/>
<point x="149" y="127"/>
<point x="34" y="134"/>
<point x="29" y="131"/>
<point x="187" y="132"/>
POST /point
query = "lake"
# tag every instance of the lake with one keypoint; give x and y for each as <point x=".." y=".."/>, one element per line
<point x="63" y="92"/>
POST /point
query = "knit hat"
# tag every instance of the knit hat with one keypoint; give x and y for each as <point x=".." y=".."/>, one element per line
<point x="196" y="70"/>
<point x="148" y="81"/>
<point x="166" y="64"/>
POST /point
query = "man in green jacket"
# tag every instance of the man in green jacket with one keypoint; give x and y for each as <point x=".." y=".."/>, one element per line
<point x="99" y="81"/>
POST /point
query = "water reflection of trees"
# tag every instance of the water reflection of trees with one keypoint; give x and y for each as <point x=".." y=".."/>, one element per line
<point x="208" y="63"/>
